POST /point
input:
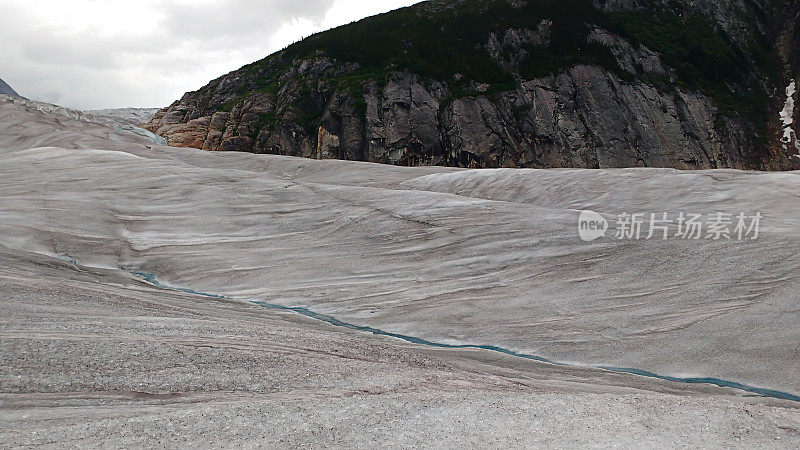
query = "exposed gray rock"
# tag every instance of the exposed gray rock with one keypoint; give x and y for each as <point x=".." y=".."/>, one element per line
<point x="628" y="58"/>
<point x="509" y="51"/>
<point x="584" y="117"/>
<point x="402" y="124"/>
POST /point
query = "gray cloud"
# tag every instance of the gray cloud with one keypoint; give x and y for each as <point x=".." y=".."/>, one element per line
<point x="184" y="45"/>
<point x="238" y="18"/>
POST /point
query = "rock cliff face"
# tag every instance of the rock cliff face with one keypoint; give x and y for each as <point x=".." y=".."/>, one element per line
<point x="574" y="83"/>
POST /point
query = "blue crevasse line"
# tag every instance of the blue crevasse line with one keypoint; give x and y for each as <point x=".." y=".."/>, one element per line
<point x="415" y="340"/>
<point x="151" y="278"/>
<point x="412" y="339"/>
<point x="707" y="380"/>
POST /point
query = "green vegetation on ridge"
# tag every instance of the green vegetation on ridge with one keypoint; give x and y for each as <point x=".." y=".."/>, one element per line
<point x="446" y="41"/>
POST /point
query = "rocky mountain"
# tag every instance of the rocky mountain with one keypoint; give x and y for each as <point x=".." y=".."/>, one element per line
<point x="7" y="90"/>
<point x="520" y="83"/>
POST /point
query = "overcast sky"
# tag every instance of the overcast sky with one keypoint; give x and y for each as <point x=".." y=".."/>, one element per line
<point x="90" y="54"/>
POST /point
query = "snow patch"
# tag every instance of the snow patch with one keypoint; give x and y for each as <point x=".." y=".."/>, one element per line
<point x="787" y="117"/>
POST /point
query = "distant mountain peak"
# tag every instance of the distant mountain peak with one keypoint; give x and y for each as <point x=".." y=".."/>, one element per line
<point x="7" y="90"/>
